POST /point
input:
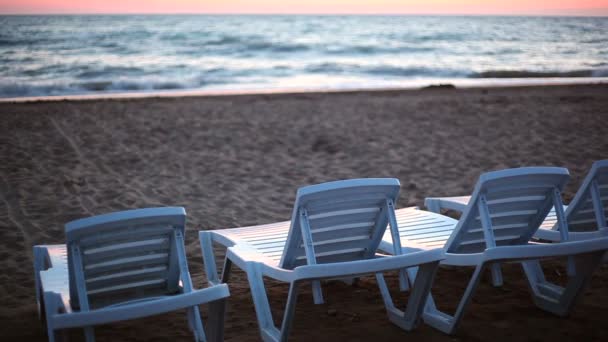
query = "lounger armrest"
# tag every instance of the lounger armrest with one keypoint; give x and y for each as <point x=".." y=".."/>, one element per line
<point x="241" y="256"/>
<point x="457" y="203"/>
<point x="546" y="250"/>
<point x="457" y="259"/>
<point x="360" y="267"/>
<point x="140" y="309"/>
<point x="554" y="235"/>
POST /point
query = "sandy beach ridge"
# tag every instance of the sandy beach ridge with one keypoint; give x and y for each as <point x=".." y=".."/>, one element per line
<point x="236" y="160"/>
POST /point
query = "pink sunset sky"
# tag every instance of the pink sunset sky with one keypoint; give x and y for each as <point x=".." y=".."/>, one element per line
<point x="502" y="7"/>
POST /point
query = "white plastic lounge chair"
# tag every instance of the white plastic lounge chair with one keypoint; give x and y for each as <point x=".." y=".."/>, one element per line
<point x="122" y="266"/>
<point x="505" y="210"/>
<point x="586" y="214"/>
<point x="334" y="232"/>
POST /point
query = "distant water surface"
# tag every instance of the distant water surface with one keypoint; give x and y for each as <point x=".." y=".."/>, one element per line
<point x="59" y="55"/>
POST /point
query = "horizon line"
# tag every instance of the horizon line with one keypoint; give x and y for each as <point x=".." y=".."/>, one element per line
<point x="599" y="15"/>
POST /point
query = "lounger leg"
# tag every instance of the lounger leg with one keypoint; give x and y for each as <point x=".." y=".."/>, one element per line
<point x="53" y="335"/>
<point x="446" y="323"/>
<point x="412" y="272"/>
<point x="289" y="311"/>
<point x="195" y="324"/>
<point x="215" y="321"/>
<point x="404" y="281"/>
<point x="260" y="300"/>
<point x="421" y="289"/>
<point x="40" y="264"/>
<point x="226" y="270"/>
<point x="423" y="280"/>
<point x="89" y="334"/>
<point x="52" y="307"/>
<point x="556" y="299"/>
<point x="496" y="275"/>
<point x="317" y="293"/>
<point x="208" y="258"/>
<point x="385" y="293"/>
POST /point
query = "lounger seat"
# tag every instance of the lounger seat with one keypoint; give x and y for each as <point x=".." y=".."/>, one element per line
<point x="334" y="233"/>
<point x="505" y="210"/>
<point x="122" y="266"/>
<point x="586" y="213"/>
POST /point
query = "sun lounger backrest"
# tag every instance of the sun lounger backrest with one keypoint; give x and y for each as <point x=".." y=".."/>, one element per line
<point x="124" y="256"/>
<point x="339" y="221"/>
<point x="589" y="207"/>
<point x="507" y="207"/>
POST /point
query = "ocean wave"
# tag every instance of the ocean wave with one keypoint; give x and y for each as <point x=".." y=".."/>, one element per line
<point x="389" y="70"/>
<point x="224" y="40"/>
<point x="382" y="70"/>
<point x="26" y="41"/>
<point x="441" y="37"/>
<point x="268" y="46"/>
<point x="325" y="68"/>
<point x="375" y="49"/>
<point x="102" y="86"/>
<point x="108" y="71"/>
<point x="539" y="74"/>
<point x="244" y="44"/>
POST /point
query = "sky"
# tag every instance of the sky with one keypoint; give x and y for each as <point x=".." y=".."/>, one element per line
<point x="455" y="7"/>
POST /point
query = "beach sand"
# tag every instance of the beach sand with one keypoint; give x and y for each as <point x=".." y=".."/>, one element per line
<point x="238" y="160"/>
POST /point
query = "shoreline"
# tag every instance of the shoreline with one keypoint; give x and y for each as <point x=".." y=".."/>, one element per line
<point x="409" y="85"/>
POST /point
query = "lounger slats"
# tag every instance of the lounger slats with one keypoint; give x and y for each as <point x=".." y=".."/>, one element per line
<point x="514" y="207"/>
<point x="426" y="230"/>
<point x="126" y="234"/>
<point x="335" y="255"/>
<point x="339" y="206"/>
<point x="335" y="234"/>
<point x="342" y="227"/>
<point x="121" y="262"/>
<point x="341" y="219"/>
<point x="127" y="256"/>
<point x="136" y="276"/>
<point x="356" y="197"/>
<point x="499" y="235"/>
<point x="480" y="242"/>
<point x="335" y="218"/>
<point x="118" y="264"/>
<point x="125" y="249"/>
<point x="500" y="227"/>
<point x="429" y="237"/>
<point x="515" y="201"/>
<point x="584" y="218"/>
<point x="267" y="245"/>
<point x="435" y="229"/>
<point x="261" y="232"/>
<point x="334" y="247"/>
<point x="159" y="282"/>
<point x="130" y="273"/>
<point x="583" y="214"/>
<point x="268" y="240"/>
<point x="532" y="185"/>
<point x="415" y="221"/>
<point x="340" y="256"/>
<point x="421" y="225"/>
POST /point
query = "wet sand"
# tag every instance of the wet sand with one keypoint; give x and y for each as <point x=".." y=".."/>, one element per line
<point x="238" y="160"/>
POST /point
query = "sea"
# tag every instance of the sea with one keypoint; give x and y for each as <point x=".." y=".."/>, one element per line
<point x="49" y="55"/>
